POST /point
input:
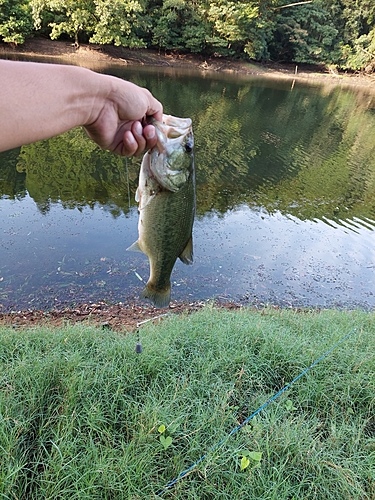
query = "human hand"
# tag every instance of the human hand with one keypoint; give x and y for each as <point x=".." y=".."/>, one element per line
<point x="113" y="111"/>
<point x="119" y="123"/>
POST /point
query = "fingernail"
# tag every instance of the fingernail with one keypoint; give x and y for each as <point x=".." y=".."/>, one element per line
<point x="149" y="133"/>
<point x="138" y="129"/>
<point x="129" y="139"/>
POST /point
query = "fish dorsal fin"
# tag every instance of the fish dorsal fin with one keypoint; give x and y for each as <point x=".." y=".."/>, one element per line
<point x="187" y="253"/>
<point x="134" y="247"/>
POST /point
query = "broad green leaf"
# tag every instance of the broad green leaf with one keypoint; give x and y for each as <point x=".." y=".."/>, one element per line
<point x="165" y="441"/>
<point x="244" y="463"/>
<point x="256" y="456"/>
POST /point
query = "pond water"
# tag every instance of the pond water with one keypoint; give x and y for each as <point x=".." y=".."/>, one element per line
<point x="285" y="201"/>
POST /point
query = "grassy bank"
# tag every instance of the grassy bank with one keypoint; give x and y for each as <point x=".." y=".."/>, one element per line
<point x="80" y="411"/>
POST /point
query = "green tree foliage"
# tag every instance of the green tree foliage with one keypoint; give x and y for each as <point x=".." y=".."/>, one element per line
<point x="340" y="32"/>
<point x="238" y="27"/>
<point x="178" y="25"/>
<point x="97" y="21"/>
<point x="15" y="21"/>
<point x="117" y="22"/>
<point x="361" y="54"/>
<point x="73" y="17"/>
<point x="304" y="34"/>
<point x="359" y="34"/>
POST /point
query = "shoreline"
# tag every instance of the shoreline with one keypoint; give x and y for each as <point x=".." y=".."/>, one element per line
<point x="98" y="56"/>
<point x="119" y="317"/>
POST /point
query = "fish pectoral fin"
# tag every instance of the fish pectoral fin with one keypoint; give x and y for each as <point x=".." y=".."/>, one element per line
<point x="138" y="195"/>
<point x="186" y="255"/>
<point x="134" y="247"/>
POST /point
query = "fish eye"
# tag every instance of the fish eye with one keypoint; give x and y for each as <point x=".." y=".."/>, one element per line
<point x="188" y="147"/>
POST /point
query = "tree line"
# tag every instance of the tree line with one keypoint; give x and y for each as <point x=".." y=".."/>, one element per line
<point x="336" y="33"/>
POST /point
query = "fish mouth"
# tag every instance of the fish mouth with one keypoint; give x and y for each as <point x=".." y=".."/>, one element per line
<point x="171" y="160"/>
<point x="172" y="130"/>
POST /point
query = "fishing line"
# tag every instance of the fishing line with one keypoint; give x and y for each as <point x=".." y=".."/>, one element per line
<point x="138" y="345"/>
<point x="127" y="180"/>
<point x="247" y="420"/>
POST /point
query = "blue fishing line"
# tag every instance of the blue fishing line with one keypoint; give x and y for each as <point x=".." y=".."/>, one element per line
<point x="247" y="420"/>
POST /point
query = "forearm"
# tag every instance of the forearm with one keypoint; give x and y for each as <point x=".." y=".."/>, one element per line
<point x="38" y="101"/>
<point x="32" y="93"/>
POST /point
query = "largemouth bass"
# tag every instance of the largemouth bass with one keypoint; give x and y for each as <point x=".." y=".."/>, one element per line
<point x="166" y="205"/>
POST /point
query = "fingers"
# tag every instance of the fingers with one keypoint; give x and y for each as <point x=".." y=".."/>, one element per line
<point x="120" y="125"/>
<point x="155" y="108"/>
<point x="156" y="113"/>
<point x="138" y="139"/>
<point x="150" y="136"/>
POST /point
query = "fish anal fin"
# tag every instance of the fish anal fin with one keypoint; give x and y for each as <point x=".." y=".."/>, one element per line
<point x="134" y="247"/>
<point x="159" y="298"/>
<point x="186" y="255"/>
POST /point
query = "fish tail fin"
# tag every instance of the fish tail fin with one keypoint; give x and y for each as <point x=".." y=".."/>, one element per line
<point x="159" y="298"/>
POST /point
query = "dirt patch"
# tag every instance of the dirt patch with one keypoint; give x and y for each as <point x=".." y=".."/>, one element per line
<point x="118" y="317"/>
<point x="93" y="56"/>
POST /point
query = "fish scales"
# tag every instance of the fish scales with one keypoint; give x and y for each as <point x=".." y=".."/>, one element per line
<point x="166" y="196"/>
<point x="167" y="226"/>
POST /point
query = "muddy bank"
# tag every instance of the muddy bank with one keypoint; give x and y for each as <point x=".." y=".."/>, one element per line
<point x="95" y="56"/>
<point x="117" y="317"/>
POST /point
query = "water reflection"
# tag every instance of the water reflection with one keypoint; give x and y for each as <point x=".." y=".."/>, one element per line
<point x="285" y="201"/>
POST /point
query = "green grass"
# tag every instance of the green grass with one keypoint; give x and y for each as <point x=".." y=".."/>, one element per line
<point x="80" y="410"/>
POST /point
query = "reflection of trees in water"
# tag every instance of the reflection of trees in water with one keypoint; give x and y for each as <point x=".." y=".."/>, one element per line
<point x="71" y="169"/>
<point x="12" y="183"/>
<point x="302" y="152"/>
<point x="306" y="152"/>
<point x="334" y="170"/>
